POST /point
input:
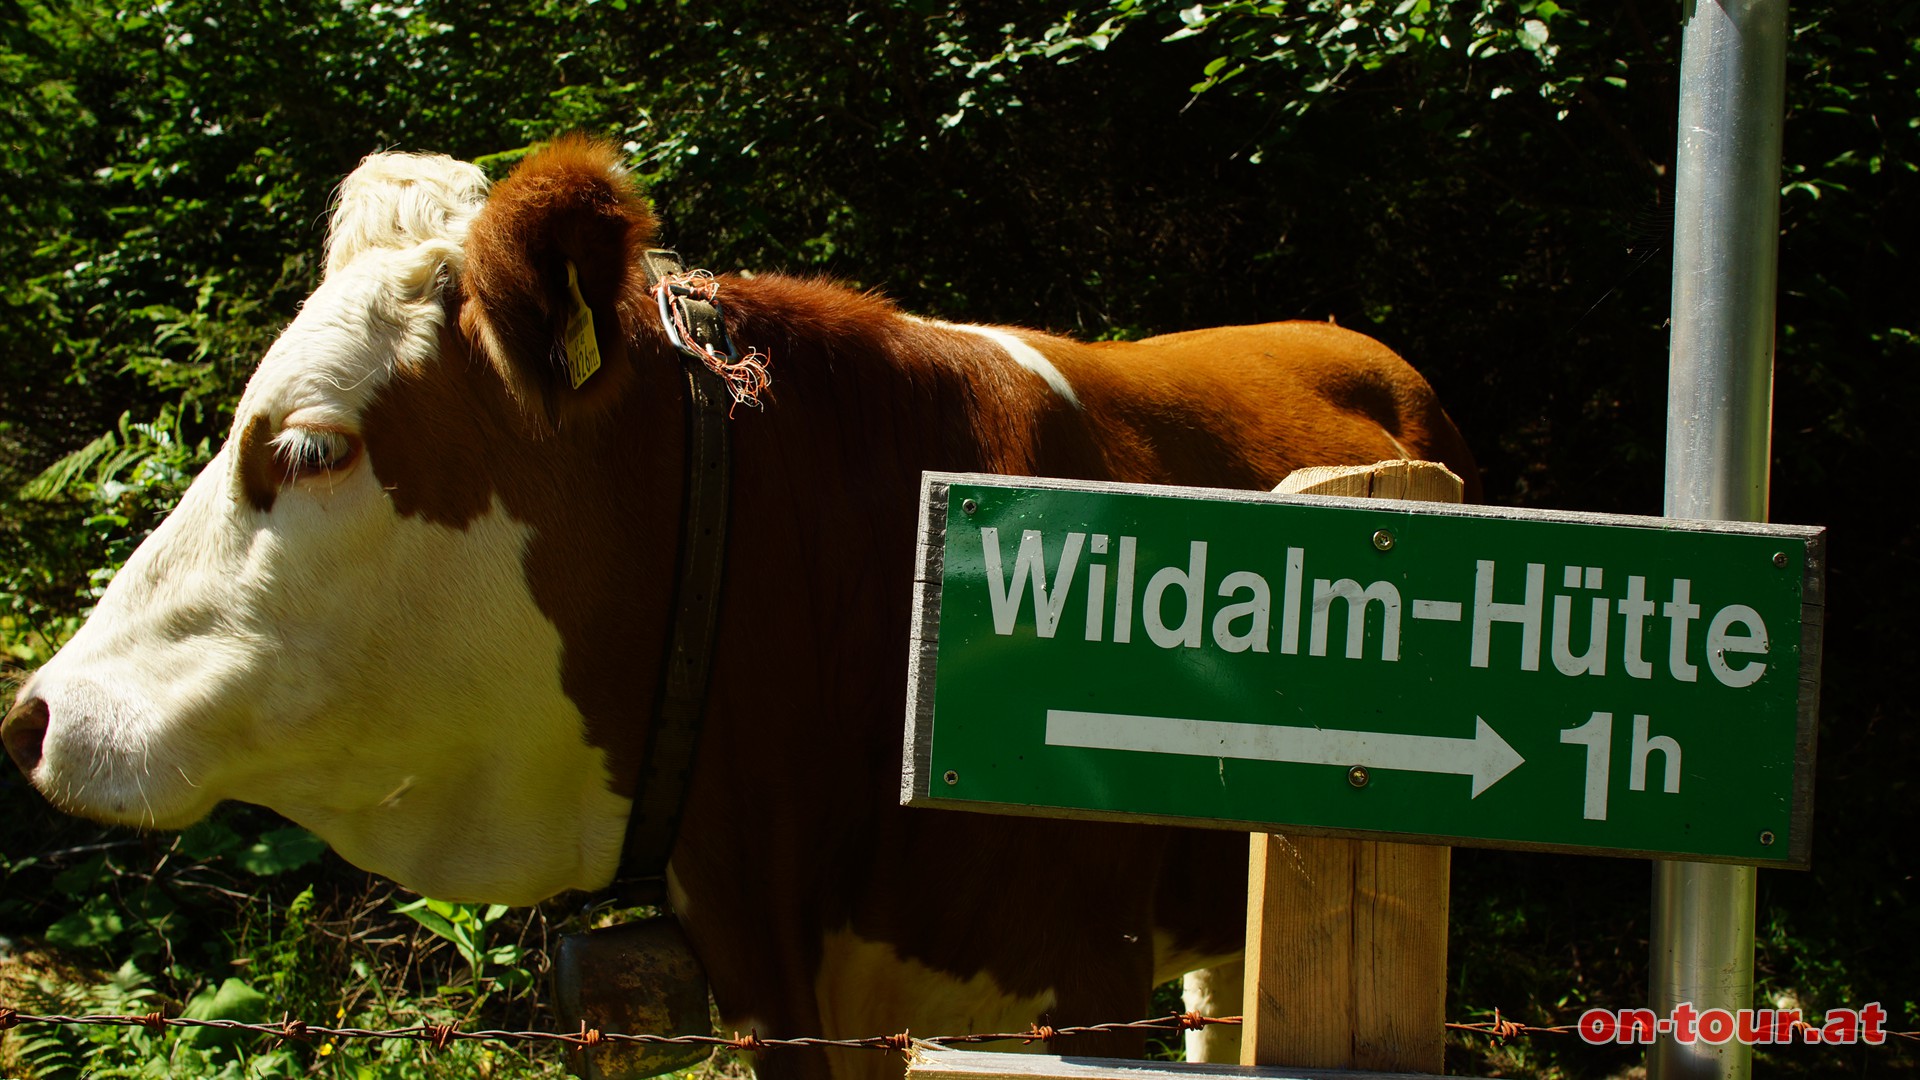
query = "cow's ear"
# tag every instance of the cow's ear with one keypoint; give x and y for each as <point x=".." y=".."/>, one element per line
<point x="552" y="290"/>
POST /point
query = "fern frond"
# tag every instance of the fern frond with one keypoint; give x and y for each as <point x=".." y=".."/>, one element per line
<point x="60" y="475"/>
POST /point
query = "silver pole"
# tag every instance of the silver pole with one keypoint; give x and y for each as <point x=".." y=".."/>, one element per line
<point x="1719" y="425"/>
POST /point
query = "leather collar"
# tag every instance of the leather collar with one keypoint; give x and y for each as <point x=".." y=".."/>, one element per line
<point x="679" y="707"/>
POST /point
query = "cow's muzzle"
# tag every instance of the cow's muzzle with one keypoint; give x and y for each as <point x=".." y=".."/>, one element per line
<point x="24" y="731"/>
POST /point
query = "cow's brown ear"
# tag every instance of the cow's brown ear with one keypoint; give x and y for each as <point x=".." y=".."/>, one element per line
<point x="552" y="291"/>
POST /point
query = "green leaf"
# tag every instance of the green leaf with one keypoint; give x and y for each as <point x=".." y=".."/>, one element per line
<point x="234" y="1000"/>
<point x="421" y="911"/>
<point x="57" y="477"/>
<point x="96" y="923"/>
<point x="282" y="850"/>
<point x="208" y="840"/>
<point x="83" y="878"/>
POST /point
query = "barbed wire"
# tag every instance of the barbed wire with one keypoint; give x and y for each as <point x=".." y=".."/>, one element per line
<point x="1500" y="1029"/>
<point x="439" y="1036"/>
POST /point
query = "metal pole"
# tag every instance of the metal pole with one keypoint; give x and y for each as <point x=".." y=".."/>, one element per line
<point x="1719" y="423"/>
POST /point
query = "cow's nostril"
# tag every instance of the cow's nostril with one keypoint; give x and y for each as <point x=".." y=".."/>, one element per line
<point x="24" y="729"/>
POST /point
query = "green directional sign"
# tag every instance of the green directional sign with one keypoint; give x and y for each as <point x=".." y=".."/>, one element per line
<point x="1395" y="670"/>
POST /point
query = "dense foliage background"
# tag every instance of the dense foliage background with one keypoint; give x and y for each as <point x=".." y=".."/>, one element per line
<point x="1484" y="185"/>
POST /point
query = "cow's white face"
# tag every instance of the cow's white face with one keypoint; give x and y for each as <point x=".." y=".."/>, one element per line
<point x="290" y="637"/>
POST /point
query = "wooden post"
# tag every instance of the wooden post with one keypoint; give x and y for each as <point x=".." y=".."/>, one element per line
<point x="1347" y="939"/>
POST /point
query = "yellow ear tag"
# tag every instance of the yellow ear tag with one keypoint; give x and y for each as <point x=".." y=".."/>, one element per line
<point x="583" y="349"/>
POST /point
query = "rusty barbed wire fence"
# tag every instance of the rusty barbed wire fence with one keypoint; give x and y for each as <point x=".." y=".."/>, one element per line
<point x="439" y="1036"/>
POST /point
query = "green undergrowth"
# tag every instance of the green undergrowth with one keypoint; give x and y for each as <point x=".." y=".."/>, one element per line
<point x="246" y="918"/>
<point x="242" y="918"/>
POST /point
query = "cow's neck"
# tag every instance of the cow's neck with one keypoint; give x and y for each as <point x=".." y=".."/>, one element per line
<point x="807" y="697"/>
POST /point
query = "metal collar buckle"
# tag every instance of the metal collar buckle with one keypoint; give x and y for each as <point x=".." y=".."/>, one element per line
<point x="696" y="325"/>
<point x="684" y="322"/>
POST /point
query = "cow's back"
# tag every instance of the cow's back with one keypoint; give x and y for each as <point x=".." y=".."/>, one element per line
<point x="1243" y="406"/>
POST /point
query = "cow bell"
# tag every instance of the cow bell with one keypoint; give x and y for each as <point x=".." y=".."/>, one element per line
<point x="637" y="978"/>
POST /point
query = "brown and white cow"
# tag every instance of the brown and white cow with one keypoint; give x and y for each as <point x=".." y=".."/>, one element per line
<point x="417" y="601"/>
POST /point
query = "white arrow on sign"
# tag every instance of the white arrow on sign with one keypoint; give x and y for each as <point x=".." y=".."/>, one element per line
<point x="1486" y="756"/>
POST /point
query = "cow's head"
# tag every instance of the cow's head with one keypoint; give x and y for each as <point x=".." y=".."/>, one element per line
<point x="381" y="609"/>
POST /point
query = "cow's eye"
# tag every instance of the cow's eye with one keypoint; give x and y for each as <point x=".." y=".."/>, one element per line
<point x="300" y="452"/>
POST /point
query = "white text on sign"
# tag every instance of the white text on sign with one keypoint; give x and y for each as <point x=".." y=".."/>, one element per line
<point x="1510" y="615"/>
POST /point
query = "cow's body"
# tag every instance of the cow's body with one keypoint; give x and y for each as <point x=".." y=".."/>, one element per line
<point x="418" y="604"/>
